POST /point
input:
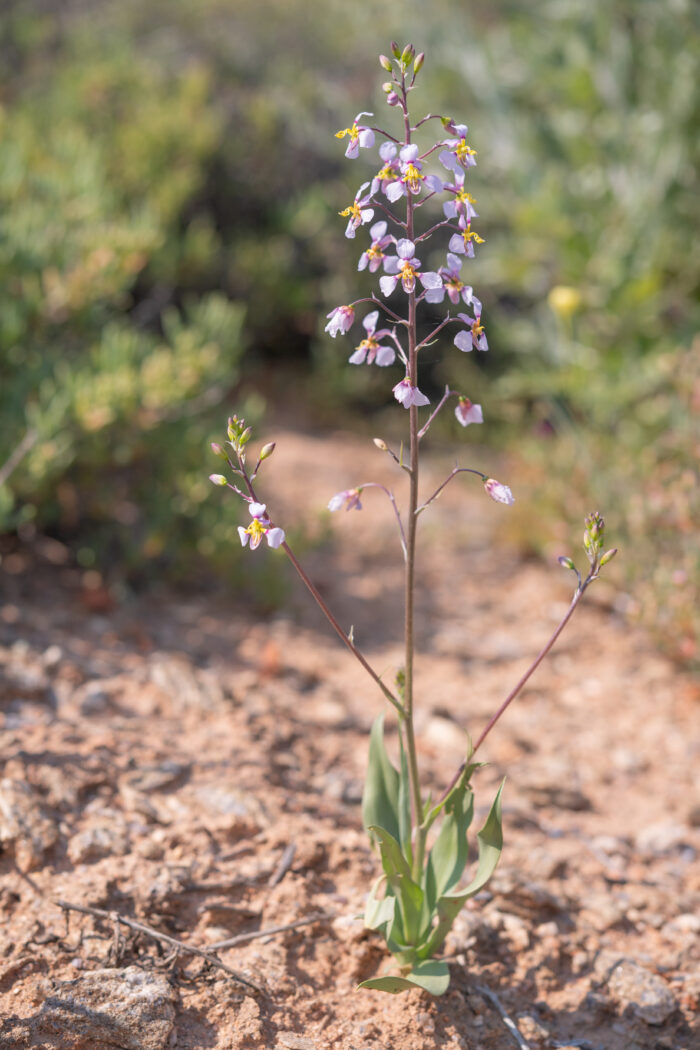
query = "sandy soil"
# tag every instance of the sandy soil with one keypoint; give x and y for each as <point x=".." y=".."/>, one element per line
<point x="186" y="765"/>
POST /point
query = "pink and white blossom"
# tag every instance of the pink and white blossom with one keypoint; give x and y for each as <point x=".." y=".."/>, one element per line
<point x="391" y="170"/>
<point x="462" y="243"/>
<point x="411" y="178"/>
<point x="370" y="349"/>
<point x="374" y="255"/>
<point x="462" y="203"/>
<point x="467" y="413"/>
<point x="260" y="526"/>
<point x="476" y="336"/>
<point x="458" y="155"/>
<point x="359" y="134"/>
<point x="407" y="394"/>
<point x="357" y="213"/>
<point x="498" y="492"/>
<point x="348" y="498"/>
<point x="405" y="267"/>
<point x="341" y="320"/>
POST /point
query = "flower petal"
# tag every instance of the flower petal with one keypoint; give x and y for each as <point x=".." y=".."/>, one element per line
<point x="275" y="537"/>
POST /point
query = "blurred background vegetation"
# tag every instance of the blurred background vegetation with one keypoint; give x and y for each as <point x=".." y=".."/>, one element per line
<point x="170" y="245"/>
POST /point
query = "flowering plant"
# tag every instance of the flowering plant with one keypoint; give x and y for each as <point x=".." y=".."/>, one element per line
<point x="416" y="899"/>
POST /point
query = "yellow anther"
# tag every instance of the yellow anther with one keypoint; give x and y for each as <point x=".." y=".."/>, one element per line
<point x="352" y="132"/>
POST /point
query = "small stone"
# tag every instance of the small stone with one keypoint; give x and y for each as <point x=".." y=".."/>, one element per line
<point x="661" y="838"/>
<point x="531" y="1029"/>
<point x="290" y="1041"/>
<point x="682" y="924"/>
<point x="98" y="842"/>
<point x="516" y="931"/>
<point x="642" y="992"/>
<point x="131" y="1009"/>
<point x="24" y="824"/>
<point x="558" y="795"/>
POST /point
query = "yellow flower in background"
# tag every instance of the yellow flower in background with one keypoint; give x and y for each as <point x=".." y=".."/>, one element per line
<point x="563" y="300"/>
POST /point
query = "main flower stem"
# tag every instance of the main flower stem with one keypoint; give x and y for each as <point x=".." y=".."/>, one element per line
<point x="407" y="721"/>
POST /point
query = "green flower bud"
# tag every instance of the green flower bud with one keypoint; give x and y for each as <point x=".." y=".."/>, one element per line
<point x="395" y="49"/>
<point x="385" y="63"/>
<point x="266" y="451"/>
<point x="608" y="556"/>
<point x="566" y="563"/>
<point x="218" y="451"/>
<point x="418" y="64"/>
<point x="387" y="87"/>
<point x="218" y="479"/>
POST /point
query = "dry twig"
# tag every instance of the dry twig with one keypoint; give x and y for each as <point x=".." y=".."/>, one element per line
<point x="112" y="916"/>
<point x="510" y="1024"/>
<point x="241" y="938"/>
<point x="284" y="865"/>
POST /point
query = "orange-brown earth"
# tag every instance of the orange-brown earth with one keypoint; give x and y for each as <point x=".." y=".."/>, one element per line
<point x="188" y="765"/>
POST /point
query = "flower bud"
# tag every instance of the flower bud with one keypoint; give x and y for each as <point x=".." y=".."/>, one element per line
<point x="218" y="451"/>
<point x="498" y="492"/>
<point x="381" y="444"/>
<point x="387" y="86"/>
<point x="385" y="63"/>
<point x="566" y="563"/>
<point x="407" y="54"/>
<point x="218" y="479"/>
<point x="392" y="99"/>
<point x="245" y="436"/>
<point x="266" y="451"/>
<point x="395" y="49"/>
<point x="608" y="556"/>
<point x="418" y="64"/>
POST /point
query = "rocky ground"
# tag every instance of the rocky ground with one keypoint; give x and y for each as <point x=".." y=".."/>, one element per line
<point x="188" y="767"/>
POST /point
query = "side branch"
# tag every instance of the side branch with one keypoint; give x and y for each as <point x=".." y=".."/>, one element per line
<point x="390" y="495"/>
<point x="448" y="479"/>
<point x="339" y="630"/>
<point x="530" y="671"/>
<point x="429" y="338"/>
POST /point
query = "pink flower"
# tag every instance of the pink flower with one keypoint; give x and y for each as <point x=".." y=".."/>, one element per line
<point x="356" y="213"/>
<point x="370" y="348"/>
<point x="461" y="243"/>
<point x="375" y="253"/>
<point x="407" y="394"/>
<point x="462" y="203"/>
<point x="500" y="493"/>
<point x="458" y="154"/>
<point x="360" y="136"/>
<point x="476" y="336"/>
<point x="468" y="413"/>
<point x="391" y="170"/>
<point x="348" y="497"/>
<point x="406" y="268"/>
<point x="260" y="526"/>
<point x="411" y="179"/>
<point x="341" y="320"/>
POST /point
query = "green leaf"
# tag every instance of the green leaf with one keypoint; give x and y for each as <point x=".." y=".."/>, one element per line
<point x="410" y="895"/>
<point x="379" y="912"/>
<point x="432" y="976"/>
<point x="490" y="840"/>
<point x="448" y="857"/>
<point x="380" y="798"/>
